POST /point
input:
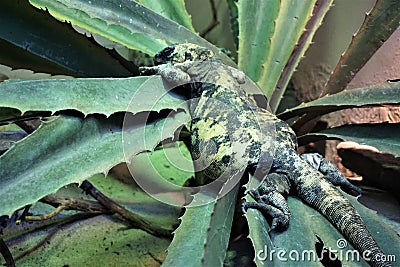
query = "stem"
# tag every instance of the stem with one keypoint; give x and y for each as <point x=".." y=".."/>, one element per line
<point x="134" y="219"/>
<point x="6" y="254"/>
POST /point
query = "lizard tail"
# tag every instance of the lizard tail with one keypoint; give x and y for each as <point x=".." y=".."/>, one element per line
<point x="324" y="197"/>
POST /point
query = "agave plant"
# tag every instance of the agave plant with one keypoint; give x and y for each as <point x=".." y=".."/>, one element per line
<point x="64" y="134"/>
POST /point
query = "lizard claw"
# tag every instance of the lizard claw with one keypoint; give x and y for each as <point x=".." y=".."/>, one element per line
<point x="280" y="220"/>
<point x="253" y="193"/>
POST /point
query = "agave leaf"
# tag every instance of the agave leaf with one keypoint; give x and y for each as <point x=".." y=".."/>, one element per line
<point x="289" y="26"/>
<point x="171" y="162"/>
<point x="319" y="12"/>
<point x="87" y="95"/>
<point x="256" y="28"/>
<point x="126" y="22"/>
<point x="7" y="73"/>
<point x="122" y="22"/>
<point x="19" y="58"/>
<point x="129" y="195"/>
<point x="102" y="238"/>
<point x="204" y="233"/>
<point x="37" y="33"/>
<point x="173" y="9"/>
<point x="258" y="228"/>
<point x="378" y="26"/>
<point x="383" y="136"/>
<point x="69" y="150"/>
<point x="234" y="13"/>
<point x="376" y="95"/>
<point x="300" y="237"/>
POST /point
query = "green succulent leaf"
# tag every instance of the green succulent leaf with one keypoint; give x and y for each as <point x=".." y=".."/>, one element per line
<point x="282" y="23"/>
<point x="128" y="194"/>
<point x="69" y="150"/>
<point x="234" y="13"/>
<point x="300" y="237"/>
<point x="24" y="26"/>
<point x="87" y="95"/>
<point x="7" y="73"/>
<point x="126" y="22"/>
<point x="378" y="26"/>
<point x="258" y="232"/>
<point x="173" y="9"/>
<point x="256" y="28"/>
<point x="383" y="136"/>
<point x="320" y="9"/>
<point x="289" y="25"/>
<point x="122" y="22"/>
<point x="384" y="93"/>
<point x="204" y="233"/>
<point x="102" y="238"/>
<point x="171" y="162"/>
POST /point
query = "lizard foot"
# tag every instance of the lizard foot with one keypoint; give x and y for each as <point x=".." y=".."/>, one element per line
<point x="269" y="198"/>
<point x="331" y="173"/>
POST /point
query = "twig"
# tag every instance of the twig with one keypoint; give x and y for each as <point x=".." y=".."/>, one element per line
<point x="75" y="204"/>
<point x="67" y="203"/>
<point x="44" y="241"/>
<point x="45" y="216"/>
<point x="24" y="214"/>
<point x="6" y="254"/>
<point x="13" y="230"/>
<point x="136" y="220"/>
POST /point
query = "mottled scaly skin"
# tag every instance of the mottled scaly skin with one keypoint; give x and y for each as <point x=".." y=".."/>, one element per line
<point x="229" y="133"/>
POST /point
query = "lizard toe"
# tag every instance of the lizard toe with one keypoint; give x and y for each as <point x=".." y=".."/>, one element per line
<point x="280" y="219"/>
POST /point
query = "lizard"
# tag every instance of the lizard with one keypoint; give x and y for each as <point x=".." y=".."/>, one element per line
<point x="229" y="131"/>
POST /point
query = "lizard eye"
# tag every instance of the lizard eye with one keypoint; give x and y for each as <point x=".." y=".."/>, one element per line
<point x="164" y="56"/>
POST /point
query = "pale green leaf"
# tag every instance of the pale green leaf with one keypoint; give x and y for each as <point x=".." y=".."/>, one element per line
<point x="7" y="73"/>
<point x="289" y="25"/>
<point x="320" y="9"/>
<point x="87" y="95"/>
<point x="57" y="44"/>
<point x="126" y="22"/>
<point x="69" y="150"/>
<point x="203" y="233"/>
<point x="256" y="28"/>
<point x="383" y="136"/>
<point x="384" y="93"/>
<point x="377" y="27"/>
<point x="129" y="195"/>
<point x="173" y="9"/>
<point x="171" y="162"/>
<point x="88" y="242"/>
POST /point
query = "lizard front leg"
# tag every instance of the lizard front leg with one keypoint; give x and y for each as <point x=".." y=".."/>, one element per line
<point x="172" y="73"/>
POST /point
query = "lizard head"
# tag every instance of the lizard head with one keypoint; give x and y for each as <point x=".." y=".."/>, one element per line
<point x="180" y="53"/>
